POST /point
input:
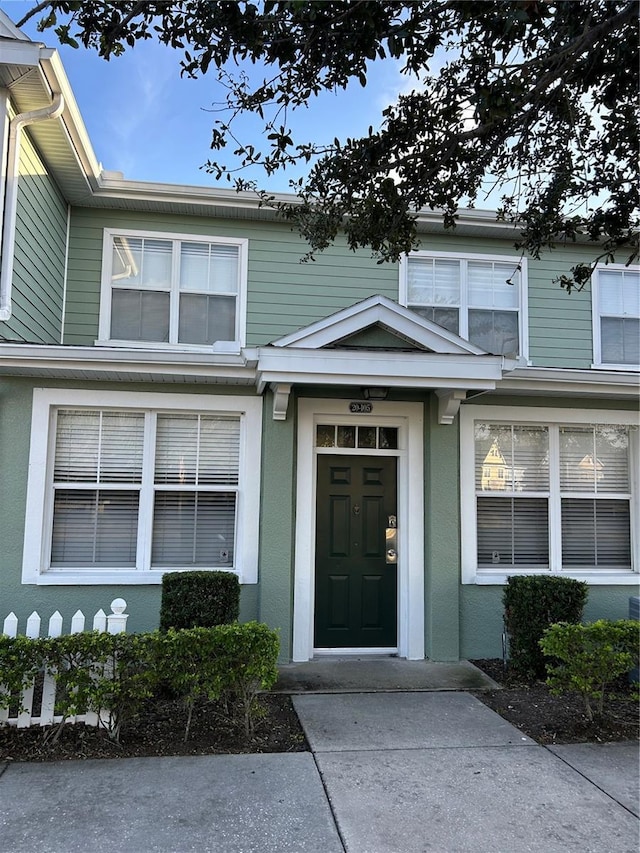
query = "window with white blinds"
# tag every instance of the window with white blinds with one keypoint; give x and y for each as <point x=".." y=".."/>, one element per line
<point x="171" y="289"/>
<point x="616" y="306"/>
<point x="96" y="480"/>
<point x="195" y="484"/>
<point x="478" y="299"/>
<point x="124" y="486"/>
<point x="552" y="497"/>
<point x="121" y="478"/>
<point x="512" y="487"/>
<point x="595" y="496"/>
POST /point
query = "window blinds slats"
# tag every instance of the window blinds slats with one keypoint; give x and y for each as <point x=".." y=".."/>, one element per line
<point x="488" y="287"/>
<point x="619" y="292"/>
<point x="589" y="460"/>
<point x="193" y="529"/>
<point x="620" y="340"/>
<point x="198" y="456"/>
<point x="511" y="458"/>
<point x="513" y="532"/>
<point x="209" y="267"/>
<point x="595" y="533"/>
<point x="197" y="450"/>
<point x="433" y="282"/>
<point x="594" y="459"/>
<point x="99" y="447"/>
<point x="138" y="315"/>
<point x="94" y="529"/>
<point x="206" y="319"/>
<point x="141" y="262"/>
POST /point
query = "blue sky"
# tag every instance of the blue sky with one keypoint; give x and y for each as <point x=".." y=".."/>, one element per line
<point x="146" y="121"/>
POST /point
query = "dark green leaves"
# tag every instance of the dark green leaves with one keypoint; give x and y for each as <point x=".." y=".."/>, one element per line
<point x="537" y="101"/>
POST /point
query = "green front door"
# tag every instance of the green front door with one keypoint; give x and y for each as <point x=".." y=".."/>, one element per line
<point x="356" y="576"/>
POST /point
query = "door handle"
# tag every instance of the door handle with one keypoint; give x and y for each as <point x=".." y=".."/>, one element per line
<point x="391" y="543"/>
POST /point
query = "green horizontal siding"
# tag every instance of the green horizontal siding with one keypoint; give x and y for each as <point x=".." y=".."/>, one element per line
<point x="286" y="294"/>
<point x="39" y="257"/>
<point x="560" y="324"/>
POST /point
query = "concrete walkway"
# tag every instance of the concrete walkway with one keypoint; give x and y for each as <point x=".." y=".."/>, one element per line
<point x="389" y="773"/>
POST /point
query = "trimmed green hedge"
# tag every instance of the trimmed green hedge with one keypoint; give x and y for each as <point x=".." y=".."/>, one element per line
<point x="116" y="673"/>
<point x="199" y="599"/>
<point x="531" y="604"/>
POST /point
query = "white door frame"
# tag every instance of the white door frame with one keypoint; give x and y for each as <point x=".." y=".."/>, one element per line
<point x="409" y="420"/>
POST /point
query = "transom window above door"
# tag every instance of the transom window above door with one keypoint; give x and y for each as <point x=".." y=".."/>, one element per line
<point x="480" y="298"/>
<point x="361" y="437"/>
<point x="180" y="290"/>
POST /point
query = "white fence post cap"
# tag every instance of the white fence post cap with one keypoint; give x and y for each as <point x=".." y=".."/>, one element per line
<point x="118" y="606"/>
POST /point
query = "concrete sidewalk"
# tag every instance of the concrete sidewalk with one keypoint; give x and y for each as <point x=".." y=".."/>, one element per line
<point x="408" y="772"/>
<point x="389" y="773"/>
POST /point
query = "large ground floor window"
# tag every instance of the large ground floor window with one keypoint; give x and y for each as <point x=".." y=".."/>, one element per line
<point x="124" y="487"/>
<point x="552" y="495"/>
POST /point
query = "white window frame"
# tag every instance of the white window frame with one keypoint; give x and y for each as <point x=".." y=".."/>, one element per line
<point x="104" y="326"/>
<point x="39" y="506"/>
<point x="471" y="574"/>
<point x="598" y="363"/>
<point x="464" y="258"/>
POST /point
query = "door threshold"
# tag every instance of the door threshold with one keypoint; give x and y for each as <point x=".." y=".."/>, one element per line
<point x="351" y="652"/>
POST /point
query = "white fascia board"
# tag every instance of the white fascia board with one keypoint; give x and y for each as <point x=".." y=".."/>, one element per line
<point x="103" y="360"/>
<point x="546" y="380"/>
<point x="383" y="311"/>
<point x="188" y="194"/>
<point x="20" y="53"/>
<point x="413" y="370"/>
<point x="56" y="77"/>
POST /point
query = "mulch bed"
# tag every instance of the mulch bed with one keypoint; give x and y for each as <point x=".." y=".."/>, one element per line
<point x="159" y="730"/>
<point x="560" y="719"/>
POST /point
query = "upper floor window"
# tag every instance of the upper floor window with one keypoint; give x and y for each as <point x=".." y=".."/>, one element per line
<point x="616" y="316"/>
<point x="480" y="298"/>
<point x="175" y="290"/>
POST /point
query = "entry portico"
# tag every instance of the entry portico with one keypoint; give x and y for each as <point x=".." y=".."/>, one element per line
<point x="375" y="344"/>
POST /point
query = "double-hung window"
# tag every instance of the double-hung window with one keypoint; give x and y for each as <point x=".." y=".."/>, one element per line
<point x="126" y="486"/>
<point x="480" y="298"/>
<point x="558" y="495"/>
<point x="616" y="316"/>
<point x="173" y="290"/>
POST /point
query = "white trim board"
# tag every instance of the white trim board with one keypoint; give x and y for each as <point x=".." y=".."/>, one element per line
<point x="409" y="419"/>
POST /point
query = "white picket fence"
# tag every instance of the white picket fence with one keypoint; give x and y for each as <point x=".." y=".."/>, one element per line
<point x="114" y="623"/>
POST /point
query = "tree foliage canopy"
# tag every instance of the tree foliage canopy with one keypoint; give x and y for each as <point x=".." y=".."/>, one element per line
<point x="536" y="97"/>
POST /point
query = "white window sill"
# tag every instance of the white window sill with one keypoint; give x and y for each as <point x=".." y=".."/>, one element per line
<point x="595" y="578"/>
<point x="107" y="578"/>
<point x="226" y="347"/>
<point x="634" y="368"/>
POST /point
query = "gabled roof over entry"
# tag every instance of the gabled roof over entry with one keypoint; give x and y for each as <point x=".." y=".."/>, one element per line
<point x="378" y="343"/>
<point x="404" y="330"/>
